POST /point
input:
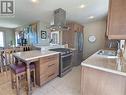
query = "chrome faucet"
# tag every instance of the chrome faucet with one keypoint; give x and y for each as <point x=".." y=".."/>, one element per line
<point x="118" y="48"/>
<point x="117" y="44"/>
<point x="110" y="45"/>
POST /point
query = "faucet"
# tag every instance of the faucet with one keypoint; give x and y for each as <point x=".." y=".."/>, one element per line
<point x="110" y="45"/>
<point x="118" y="48"/>
<point x="117" y="43"/>
<point x="51" y="41"/>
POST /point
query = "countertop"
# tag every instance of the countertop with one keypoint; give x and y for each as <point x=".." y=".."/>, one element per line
<point x="34" y="54"/>
<point x="100" y="62"/>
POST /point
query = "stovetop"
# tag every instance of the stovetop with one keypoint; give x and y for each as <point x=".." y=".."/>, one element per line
<point x="63" y="51"/>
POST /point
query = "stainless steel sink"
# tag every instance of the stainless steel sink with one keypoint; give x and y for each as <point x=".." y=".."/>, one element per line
<point x="108" y="53"/>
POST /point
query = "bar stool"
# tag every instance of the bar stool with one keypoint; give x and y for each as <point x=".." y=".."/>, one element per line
<point x="17" y="71"/>
<point x="1" y="61"/>
<point x="8" y="58"/>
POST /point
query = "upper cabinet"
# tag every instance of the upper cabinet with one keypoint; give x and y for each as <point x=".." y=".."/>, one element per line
<point x="68" y="37"/>
<point x="116" y="26"/>
<point x="76" y="27"/>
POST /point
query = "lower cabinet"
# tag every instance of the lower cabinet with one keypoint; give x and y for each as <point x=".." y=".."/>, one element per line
<point x="98" y="82"/>
<point x="47" y="69"/>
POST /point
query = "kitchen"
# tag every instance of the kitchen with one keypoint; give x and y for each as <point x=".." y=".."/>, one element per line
<point x="63" y="48"/>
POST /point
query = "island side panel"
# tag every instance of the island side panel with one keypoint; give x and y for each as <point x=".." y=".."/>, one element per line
<point x="97" y="82"/>
<point x="47" y="69"/>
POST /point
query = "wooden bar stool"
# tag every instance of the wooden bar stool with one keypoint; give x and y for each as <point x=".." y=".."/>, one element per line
<point x="8" y="58"/>
<point x="17" y="71"/>
<point x="1" y="61"/>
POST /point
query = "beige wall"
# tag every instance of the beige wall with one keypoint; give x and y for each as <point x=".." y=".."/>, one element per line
<point x="97" y="29"/>
<point x="9" y="35"/>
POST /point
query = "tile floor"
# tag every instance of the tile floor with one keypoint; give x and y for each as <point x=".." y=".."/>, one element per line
<point x="67" y="85"/>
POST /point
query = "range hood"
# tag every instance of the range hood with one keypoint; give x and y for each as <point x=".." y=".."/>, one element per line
<point x="59" y="22"/>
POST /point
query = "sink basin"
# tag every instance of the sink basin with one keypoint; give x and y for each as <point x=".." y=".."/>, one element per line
<point x="108" y="53"/>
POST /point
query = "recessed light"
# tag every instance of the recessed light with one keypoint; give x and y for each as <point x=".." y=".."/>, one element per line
<point x="91" y="17"/>
<point x="34" y="1"/>
<point x="82" y="6"/>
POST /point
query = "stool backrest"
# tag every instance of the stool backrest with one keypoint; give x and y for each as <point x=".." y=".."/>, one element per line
<point x="8" y="55"/>
<point x="2" y="60"/>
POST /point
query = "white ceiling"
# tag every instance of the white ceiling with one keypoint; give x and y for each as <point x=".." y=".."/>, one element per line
<point x="27" y="12"/>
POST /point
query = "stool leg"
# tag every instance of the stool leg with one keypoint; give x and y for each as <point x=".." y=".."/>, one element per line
<point x="12" y="80"/>
<point x="34" y="83"/>
<point x="17" y="85"/>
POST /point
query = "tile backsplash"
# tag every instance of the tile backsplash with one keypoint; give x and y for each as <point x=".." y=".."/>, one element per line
<point x="123" y="48"/>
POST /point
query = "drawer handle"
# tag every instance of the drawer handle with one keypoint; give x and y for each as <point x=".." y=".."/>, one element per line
<point x="51" y="65"/>
<point x="51" y="57"/>
<point x="51" y="75"/>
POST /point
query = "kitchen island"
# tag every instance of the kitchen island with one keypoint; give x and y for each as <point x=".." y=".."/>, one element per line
<point x="101" y="75"/>
<point x="46" y="65"/>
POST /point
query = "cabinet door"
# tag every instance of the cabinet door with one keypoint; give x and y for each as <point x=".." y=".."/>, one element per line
<point x="117" y="19"/>
<point x="68" y="36"/>
<point x="78" y="28"/>
<point x="81" y="28"/>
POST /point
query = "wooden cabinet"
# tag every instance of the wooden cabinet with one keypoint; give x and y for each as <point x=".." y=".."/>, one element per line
<point x="47" y="69"/>
<point x="68" y="37"/>
<point x="117" y="19"/>
<point x="75" y="27"/>
<point x="78" y="28"/>
<point x="97" y="82"/>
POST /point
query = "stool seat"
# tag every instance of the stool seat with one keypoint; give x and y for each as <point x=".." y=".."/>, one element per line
<point x="19" y="68"/>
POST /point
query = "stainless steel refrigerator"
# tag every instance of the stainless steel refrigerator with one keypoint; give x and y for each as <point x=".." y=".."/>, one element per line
<point x="78" y="44"/>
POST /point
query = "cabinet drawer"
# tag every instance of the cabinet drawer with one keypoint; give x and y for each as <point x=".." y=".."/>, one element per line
<point x="51" y="76"/>
<point x="49" y="58"/>
<point x="47" y="77"/>
<point x="48" y="65"/>
<point x="43" y="79"/>
<point x="52" y="72"/>
<point x="43" y="68"/>
<point x="52" y="63"/>
<point x="52" y="69"/>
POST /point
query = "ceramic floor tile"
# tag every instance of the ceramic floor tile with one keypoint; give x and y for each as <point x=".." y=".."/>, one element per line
<point x="67" y="85"/>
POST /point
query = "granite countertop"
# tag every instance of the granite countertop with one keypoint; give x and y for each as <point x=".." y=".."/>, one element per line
<point x="100" y="62"/>
<point x="34" y="54"/>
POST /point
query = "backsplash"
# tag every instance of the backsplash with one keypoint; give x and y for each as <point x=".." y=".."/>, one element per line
<point x="124" y="51"/>
<point x="111" y="44"/>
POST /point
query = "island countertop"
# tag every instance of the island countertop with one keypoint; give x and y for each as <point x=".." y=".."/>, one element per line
<point x="34" y="54"/>
<point x="103" y="63"/>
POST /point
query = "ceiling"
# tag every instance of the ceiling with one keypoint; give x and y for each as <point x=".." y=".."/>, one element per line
<point x="27" y="12"/>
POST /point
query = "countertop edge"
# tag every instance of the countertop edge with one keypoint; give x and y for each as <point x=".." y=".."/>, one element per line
<point x="103" y="69"/>
<point x="42" y="56"/>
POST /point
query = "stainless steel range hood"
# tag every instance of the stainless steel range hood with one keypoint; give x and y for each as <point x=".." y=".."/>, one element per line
<point x="59" y="20"/>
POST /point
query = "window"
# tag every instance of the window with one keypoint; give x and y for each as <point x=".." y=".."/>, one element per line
<point x="1" y="39"/>
<point x="55" y="37"/>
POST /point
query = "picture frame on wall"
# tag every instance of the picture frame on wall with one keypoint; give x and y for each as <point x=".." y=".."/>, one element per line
<point x="43" y="34"/>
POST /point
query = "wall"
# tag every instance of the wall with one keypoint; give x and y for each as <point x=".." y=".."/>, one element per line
<point x="97" y="29"/>
<point x="9" y="35"/>
<point x="42" y="26"/>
